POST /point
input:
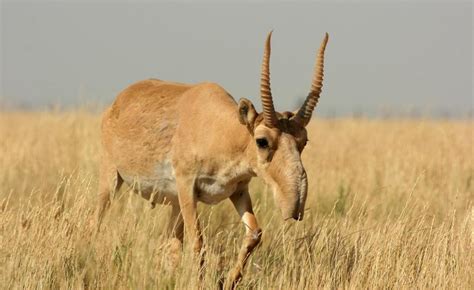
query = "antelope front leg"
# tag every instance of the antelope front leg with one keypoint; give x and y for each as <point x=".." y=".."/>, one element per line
<point x="253" y="233"/>
<point x="188" y="204"/>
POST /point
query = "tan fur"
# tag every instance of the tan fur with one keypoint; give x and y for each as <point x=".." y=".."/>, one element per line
<point x="179" y="144"/>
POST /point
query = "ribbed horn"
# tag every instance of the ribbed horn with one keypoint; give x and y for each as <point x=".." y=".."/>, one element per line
<point x="311" y="101"/>
<point x="265" y="90"/>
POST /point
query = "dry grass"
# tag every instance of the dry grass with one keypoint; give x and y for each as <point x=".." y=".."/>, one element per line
<point x="390" y="206"/>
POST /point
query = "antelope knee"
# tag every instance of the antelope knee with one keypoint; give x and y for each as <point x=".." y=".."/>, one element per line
<point x="254" y="238"/>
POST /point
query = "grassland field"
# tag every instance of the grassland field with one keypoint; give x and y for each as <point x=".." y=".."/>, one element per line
<point x="390" y="205"/>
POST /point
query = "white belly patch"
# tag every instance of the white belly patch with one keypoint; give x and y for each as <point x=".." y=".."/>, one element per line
<point x="157" y="186"/>
<point x="161" y="184"/>
<point x="211" y="191"/>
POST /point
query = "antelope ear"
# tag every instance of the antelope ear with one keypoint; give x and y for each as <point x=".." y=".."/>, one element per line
<point x="247" y="113"/>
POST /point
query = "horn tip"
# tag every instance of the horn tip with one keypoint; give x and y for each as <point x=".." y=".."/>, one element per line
<point x="269" y="36"/>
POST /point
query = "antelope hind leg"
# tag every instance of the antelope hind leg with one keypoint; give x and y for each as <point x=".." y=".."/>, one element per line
<point x="109" y="183"/>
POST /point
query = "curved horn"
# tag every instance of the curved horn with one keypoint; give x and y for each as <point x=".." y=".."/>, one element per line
<point x="311" y="101"/>
<point x="265" y="90"/>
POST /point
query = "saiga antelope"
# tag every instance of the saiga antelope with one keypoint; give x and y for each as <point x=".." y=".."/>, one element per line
<point x="178" y="144"/>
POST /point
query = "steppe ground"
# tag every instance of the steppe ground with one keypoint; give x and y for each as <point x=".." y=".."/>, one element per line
<point x="390" y="206"/>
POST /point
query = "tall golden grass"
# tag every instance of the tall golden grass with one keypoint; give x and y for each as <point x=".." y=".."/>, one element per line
<point x="390" y="205"/>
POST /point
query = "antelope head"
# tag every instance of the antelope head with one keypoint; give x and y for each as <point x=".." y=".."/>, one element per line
<point x="279" y="138"/>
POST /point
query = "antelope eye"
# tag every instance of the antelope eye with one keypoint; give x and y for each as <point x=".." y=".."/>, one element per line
<point x="262" y="143"/>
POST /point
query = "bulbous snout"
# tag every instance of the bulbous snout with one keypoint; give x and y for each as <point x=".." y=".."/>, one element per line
<point x="295" y="203"/>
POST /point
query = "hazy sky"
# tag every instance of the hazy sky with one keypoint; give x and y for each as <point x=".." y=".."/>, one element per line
<point x="381" y="55"/>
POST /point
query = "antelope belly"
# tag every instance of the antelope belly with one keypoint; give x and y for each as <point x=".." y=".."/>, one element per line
<point x="212" y="191"/>
<point x="156" y="186"/>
